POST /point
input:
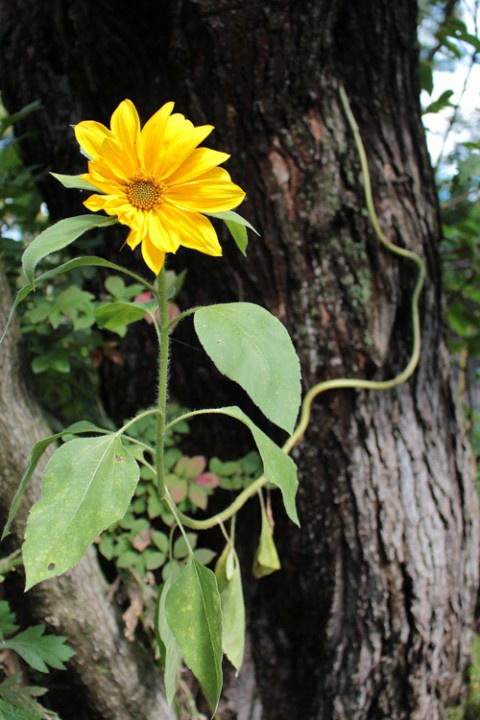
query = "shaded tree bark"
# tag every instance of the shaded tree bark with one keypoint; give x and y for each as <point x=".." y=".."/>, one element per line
<point x="114" y="679"/>
<point x="371" y="614"/>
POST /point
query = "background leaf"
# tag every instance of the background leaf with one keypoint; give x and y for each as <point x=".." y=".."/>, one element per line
<point x="87" y="486"/>
<point x="40" y="650"/>
<point x="80" y="262"/>
<point x="194" y="615"/>
<point x="7" y="620"/>
<point x="14" y="712"/>
<point x="250" y="346"/>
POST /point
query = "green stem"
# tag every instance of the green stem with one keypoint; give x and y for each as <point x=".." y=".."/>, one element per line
<point x="182" y="316"/>
<point x="339" y="383"/>
<point x="140" y="416"/>
<point x="162" y="383"/>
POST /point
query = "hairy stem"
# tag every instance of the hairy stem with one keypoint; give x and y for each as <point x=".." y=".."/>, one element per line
<point x="162" y="383"/>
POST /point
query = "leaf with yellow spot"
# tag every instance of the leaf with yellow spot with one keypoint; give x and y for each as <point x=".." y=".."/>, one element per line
<point x="194" y="616"/>
<point x="87" y="486"/>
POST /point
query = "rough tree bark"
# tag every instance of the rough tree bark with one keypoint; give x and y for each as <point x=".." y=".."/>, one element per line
<point x="117" y="678"/>
<point x="370" y="616"/>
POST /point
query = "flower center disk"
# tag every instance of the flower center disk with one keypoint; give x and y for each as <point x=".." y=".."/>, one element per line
<point x="145" y="193"/>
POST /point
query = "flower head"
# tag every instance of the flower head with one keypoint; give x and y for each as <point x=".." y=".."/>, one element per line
<point x="157" y="181"/>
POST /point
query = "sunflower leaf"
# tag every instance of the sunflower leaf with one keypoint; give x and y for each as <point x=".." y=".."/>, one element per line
<point x="118" y="314"/>
<point x="227" y="572"/>
<point x="87" y="486"/>
<point x="278" y="468"/>
<point x="250" y="346"/>
<point x="171" y="655"/>
<point x="35" y="455"/>
<point x="194" y="616"/>
<point x="59" y="236"/>
<point x="237" y="227"/>
<point x="266" y="559"/>
<point x="75" y="182"/>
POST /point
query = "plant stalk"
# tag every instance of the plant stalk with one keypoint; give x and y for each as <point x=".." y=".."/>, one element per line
<point x="164" y="351"/>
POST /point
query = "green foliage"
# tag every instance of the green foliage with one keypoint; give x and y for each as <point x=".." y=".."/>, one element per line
<point x="237" y="227"/>
<point x="139" y="543"/>
<point x="279" y="469"/>
<point x="170" y="652"/>
<point x="87" y="485"/>
<point x="19" y="199"/>
<point x="193" y="613"/>
<point x="470" y="707"/>
<point x="58" y="237"/>
<point x="448" y="45"/>
<point x="266" y="559"/>
<point x="12" y="712"/>
<point x="250" y="346"/>
<point x="40" y="651"/>
<point x="229" y="579"/>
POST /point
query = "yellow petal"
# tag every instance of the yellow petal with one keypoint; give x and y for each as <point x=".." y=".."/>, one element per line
<point x="179" y="146"/>
<point x="125" y="125"/>
<point x="116" y="161"/>
<point x="162" y="233"/>
<point x="117" y="205"/>
<point x="109" y="186"/>
<point x="153" y="257"/>
<point x="197" y="163"/>
<point x="90" y="135"/>
<point x="206" y="195"/>
<point x="95" y="202"/>
<point x="134" y="238"/>
<point x="152" y="137"/>
<point x="196" y="231"/>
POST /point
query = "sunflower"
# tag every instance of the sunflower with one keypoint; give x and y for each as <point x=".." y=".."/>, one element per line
<point x="157" y="181"/>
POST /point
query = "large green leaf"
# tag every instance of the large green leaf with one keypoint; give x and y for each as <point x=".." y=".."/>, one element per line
<point x="87" y="486"/>
<point x="36" y="453"/>
<point x="59" y="236"/>
<point x="253" y="348"/>
<point x="195" y="618"/>
<point x="229" y="578"/>
<point x="172" y="657"/>
<point x="278" y="467"/>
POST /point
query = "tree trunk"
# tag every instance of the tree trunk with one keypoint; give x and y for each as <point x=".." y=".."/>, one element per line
<point x="117" y="679"/>
<point x="370" y="616"/>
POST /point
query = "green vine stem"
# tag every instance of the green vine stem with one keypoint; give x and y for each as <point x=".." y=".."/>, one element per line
<point x="339" y="383"/>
